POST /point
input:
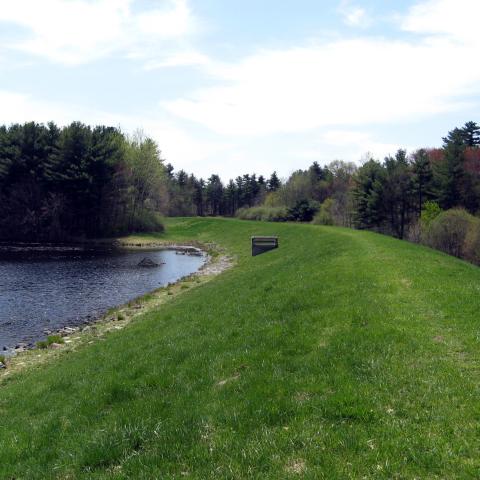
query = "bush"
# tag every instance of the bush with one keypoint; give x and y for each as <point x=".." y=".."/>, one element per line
<point x="55" y="339"/>
<point x="471" y="249"/>
<point x="50" y="339"/>
<point x="147" y="221"/>
<point x="267" y="214"/>
<point x="430" y="211"/>
<point x="454" y="232"/>
<point x="324" y="216"/>
<point x="303" y="211"/>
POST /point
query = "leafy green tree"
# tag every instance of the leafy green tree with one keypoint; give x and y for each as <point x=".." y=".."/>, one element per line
<point x="430" y="211"/>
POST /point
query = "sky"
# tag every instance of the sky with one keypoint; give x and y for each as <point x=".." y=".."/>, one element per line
<point x="237" y="86"/>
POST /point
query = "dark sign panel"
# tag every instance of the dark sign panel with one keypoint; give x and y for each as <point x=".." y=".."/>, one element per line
<point x="263" y="244"/>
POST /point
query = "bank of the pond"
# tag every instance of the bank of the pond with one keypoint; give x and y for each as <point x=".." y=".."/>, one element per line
<point x="69" y="337"/>
<point x="45" y="288"/>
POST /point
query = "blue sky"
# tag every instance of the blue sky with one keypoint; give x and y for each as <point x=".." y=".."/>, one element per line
<point x="236" y="86"/>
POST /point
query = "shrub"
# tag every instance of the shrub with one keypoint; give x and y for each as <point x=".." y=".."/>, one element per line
<point x="146" y="221"/>
<point x="303" y="211"/>
<point x="448" y="232"/>
<point x="55" y="339"/>
<point x="430" y="211"/>
<point x="50" y="339"/>
<point x="324" y="216"/>
<point x="414" y="232"/>
<point x="3" y="360"/>
<point x="267" y="214"/>
<point x="42" y="344"/>
<point x="471" y="249"/>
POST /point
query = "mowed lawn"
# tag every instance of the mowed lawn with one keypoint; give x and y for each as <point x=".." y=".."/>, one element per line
<point x="343" y="354"/>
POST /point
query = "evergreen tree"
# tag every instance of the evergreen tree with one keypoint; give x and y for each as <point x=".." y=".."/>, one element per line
<point x="422" y="178"/>
<point x="449" y="173"/>
<point x="198" y="196"/>
<point x="471" y="134"/>
<point x="214" y="195"/>
<point x="397" y="192"/>
<point x="273" y="183"/>
<point x="368" y="195"/>
<point x="231" y="198"/>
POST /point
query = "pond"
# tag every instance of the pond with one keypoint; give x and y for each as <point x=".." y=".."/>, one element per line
<point x="46" y="290"/>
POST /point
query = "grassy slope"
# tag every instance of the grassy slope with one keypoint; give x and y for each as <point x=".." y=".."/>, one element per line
<point x="343" y="354"/>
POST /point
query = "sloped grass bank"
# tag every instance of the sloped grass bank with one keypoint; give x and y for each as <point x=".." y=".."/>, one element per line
<point x="342" y="354"/>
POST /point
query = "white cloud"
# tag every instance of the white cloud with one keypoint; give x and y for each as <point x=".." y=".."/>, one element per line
<point x="20" y="108"/>
<point x="345" y="82"/>
<point x="353" y="15"/>
<point x="355" y="142"/>
<point x="78" y="31"/>
<point x="316" y="101"/>
<point x="179" y="146"/>
<point x="179" y="59"/>
<point x="456" y="19"/>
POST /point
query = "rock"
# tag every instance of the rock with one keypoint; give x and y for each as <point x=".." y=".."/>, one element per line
<point x="2" y="365"/>
<point x="55" y="346"/>
<point x="147" y="262"/>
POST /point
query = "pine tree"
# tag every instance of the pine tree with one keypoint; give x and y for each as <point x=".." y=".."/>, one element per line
<point x="368" y="195"/>
<point x="449" y="173"/>
<point x="273" y="183"/>
<point x="214" y="194"/>
<point x="422" y="178"/>
<point x="471" y="134"/>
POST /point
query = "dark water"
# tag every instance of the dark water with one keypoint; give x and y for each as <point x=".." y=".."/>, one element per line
<point x="47" y="291"/>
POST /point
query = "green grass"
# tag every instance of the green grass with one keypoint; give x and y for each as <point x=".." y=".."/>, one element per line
<point x="342" y="354"/>
<point x="51" y="339"/>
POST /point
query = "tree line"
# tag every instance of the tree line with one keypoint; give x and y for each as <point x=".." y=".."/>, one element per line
<point x="81" y="181"/>
<point x="387" y="196"/>
<point x="77" y="181"/>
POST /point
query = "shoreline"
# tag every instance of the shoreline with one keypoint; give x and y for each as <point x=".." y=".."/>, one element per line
<point x="118" y="317"/>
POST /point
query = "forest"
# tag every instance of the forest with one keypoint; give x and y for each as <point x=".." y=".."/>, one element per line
<point x="76" y="182"/>
<point x="80" y="182"/>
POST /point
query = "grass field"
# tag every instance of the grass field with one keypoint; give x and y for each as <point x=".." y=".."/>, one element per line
<point x="342" y="354"/>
